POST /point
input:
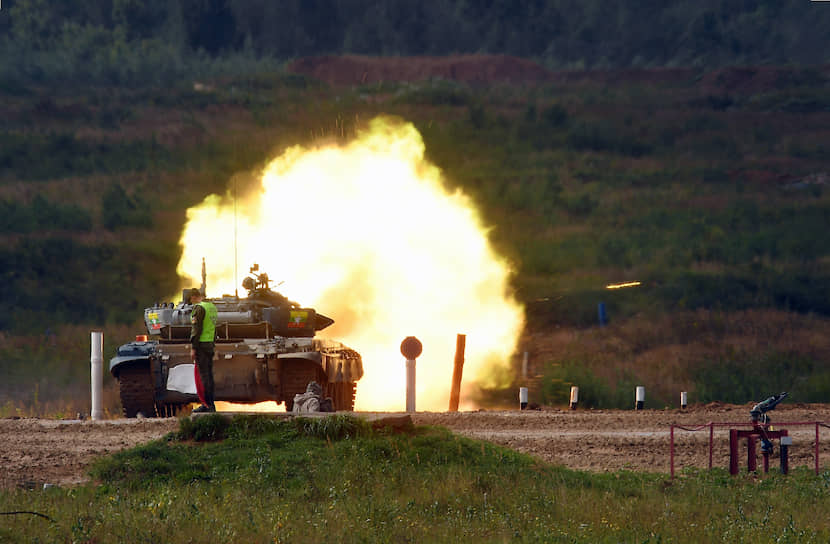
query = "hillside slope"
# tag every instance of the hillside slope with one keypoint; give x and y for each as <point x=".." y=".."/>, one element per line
<point x="708" y="187"/>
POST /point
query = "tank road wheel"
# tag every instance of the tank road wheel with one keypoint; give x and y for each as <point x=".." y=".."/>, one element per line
<point x="136" y="386"/>
<point x="342" y="394"/>
<point x="296" y="376"/>
<point x="168" y="409"/>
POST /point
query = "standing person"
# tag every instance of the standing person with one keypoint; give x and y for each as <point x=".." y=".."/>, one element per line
<point x="202" y="336"/>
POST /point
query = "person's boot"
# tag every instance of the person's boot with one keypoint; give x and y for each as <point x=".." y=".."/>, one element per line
<point x="202" y="409"/>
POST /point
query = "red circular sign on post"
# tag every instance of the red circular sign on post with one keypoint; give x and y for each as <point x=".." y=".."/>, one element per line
<point x="411" y="347"/>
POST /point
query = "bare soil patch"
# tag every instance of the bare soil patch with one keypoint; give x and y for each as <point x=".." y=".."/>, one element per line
<point x="47" y="451"/>
<point x="610" y="440"/>
<point x="39" y="451"/>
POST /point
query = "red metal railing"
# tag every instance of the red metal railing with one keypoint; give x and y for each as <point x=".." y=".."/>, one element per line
<point x="711" y="426"/>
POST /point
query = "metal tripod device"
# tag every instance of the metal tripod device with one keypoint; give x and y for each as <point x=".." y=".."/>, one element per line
<point x="761" y="420"/>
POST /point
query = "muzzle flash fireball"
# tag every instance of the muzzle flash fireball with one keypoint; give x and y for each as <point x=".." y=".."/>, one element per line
<point x="368" y="230"/>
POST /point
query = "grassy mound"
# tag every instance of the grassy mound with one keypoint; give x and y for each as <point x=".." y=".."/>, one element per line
<point x="254" y="479"/>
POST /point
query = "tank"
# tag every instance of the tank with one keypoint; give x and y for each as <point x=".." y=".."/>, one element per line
<point x="266" y="350"/>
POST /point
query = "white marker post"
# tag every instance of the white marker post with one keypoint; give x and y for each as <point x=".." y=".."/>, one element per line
<point x="639" y="397"/>
<point x="523" y="398"/>
<point x="574" y="396"/>
<point x="411" y="349"/>
<point x="683" y="400"/>
<point x="97" y="370"/>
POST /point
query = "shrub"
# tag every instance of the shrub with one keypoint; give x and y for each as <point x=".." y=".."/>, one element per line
<point x="438" y="94"/>
<point x="59" y="154"/>
<point x="594" y="392"/>
<point x="333" y="427"/>
<point x="118" y="209"/>
<point x="206" y="428"/>
<point x="744" y="377"/>
<point x="555" y="115"/>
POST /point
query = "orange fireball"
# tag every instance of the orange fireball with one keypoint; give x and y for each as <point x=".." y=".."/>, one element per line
<point x="367" y="233"/>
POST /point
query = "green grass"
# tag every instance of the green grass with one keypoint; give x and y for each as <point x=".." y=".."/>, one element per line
<point x="259" y="480"/>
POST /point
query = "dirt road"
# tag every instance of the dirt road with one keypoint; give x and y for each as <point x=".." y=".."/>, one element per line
<point x="38" y="451"/>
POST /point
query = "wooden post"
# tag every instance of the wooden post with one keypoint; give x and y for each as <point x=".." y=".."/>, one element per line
<point x="458" y="368"/>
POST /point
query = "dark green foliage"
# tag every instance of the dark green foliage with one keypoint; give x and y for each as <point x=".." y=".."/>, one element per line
<point x="554" y="116"/>
<point x="118" y="209"/>
<point x="48" y="281"/>
<point x="156" y="41"/>
<point x="56" y="155"/>
<point x="42" y="214"/>
<point x="603" y="136"/>
<point x="742" y="378"/>
<point x="209" y="24"/>
<point x="438" y="94"/>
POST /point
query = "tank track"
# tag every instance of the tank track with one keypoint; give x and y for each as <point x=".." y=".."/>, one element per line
<point x="164" y="409"/>
<point x="137" y="392"/>
<point x="343" y="395"/>
<point x="297" y="378"/>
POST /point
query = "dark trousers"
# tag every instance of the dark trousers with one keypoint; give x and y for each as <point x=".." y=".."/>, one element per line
<point x="204" y="362"/>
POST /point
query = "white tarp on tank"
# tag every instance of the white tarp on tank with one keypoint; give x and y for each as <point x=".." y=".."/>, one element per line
<point x="181" y="378"/>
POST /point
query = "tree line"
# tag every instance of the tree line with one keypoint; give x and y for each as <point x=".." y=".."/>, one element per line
<point x="141" y="40"/>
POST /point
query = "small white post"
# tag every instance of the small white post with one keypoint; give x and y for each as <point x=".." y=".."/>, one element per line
<point x="683" y="400"/>
<point x="97" y="371"/>
<point x="523" y="398"/>
<point x="574" y="396"/>
<point x="410" y="386"/>
<point x="640" y="397"/>
<point x="524" y="366"/>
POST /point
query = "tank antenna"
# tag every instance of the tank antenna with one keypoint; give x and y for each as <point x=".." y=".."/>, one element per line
<point x="235" y="249"/>
<point x="204" y="278"/>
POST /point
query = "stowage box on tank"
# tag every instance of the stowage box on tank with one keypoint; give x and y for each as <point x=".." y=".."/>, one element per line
<point x="266" y="350"/>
